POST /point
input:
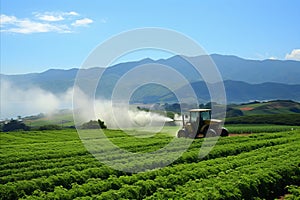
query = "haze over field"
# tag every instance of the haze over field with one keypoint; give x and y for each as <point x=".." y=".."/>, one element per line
<point x="50" y="91"/>
<point x="34" y="100"/>
<point x="16" y="101"/>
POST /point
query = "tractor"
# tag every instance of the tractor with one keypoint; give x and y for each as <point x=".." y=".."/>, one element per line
<point x="200" y="123"/>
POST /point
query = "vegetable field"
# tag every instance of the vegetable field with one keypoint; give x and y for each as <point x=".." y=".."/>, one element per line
<point x="56" y="165"/>
<point x="259" y="128"/>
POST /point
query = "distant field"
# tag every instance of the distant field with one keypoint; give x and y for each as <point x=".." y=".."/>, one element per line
<point x="62" y="119"/>
<point x="56" y="165"/>
<point x="271" y="107"/>
<point x="279" y="119"/>
<point x="280" y="112"/>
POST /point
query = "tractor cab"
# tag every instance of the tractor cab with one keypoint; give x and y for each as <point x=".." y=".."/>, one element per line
<point x="200" y="122"/>
<point x="199" y="117"/>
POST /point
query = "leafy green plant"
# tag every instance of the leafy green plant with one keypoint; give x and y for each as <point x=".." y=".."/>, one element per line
<point x="55" y="165"/>
<point x="293" y="193"/>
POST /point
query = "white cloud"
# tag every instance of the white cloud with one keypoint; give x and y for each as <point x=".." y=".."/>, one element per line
<point x="4" y="19"/>
<point x="49" y="17"/>
<point x="294" y="55"/>
<point x="82" y="22"/>
<point x="54" y="16"/>
<point x="59" y="22"/>
<point x="26" y="26"/>
<point x="72" y="13"/>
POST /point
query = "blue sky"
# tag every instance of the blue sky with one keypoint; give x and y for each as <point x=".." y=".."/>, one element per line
<point x="39" y="35"/>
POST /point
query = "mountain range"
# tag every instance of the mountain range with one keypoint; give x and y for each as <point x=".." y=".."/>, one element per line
<point x="244" y="79"/>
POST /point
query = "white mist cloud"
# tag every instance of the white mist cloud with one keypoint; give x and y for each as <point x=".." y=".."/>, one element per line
<point x="24" y="102"/>
<point x="123" y="116"/>
<point x="16" y="101"/>
<point x="115" y="115"/>
<point x="294" y="55"/>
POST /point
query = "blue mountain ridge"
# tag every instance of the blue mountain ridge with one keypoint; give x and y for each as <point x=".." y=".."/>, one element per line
<point x="244" y="79"/>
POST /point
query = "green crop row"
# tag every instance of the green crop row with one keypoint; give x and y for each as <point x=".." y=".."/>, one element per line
<point x="46" y="168"/>
<point x="256" y="179"/>
<point x="293" y="192"/>
<point x="279" y="119"/>
<point x="61" y="168"/>
<point x="236" y="128"/>
<point x="164" y="183"/>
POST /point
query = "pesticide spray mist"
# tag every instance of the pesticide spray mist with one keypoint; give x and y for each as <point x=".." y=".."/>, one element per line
<point x="16" y="101"/>
<point x="119" y="115"/>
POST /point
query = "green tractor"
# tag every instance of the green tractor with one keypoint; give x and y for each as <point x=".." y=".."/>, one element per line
<point x="200" y="123"/>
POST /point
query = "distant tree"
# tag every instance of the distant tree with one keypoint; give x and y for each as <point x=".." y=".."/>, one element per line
<point x="14" y="125"/>
<point x="101" y="124"/>
<point x="170" y="114"/>
<point x="92" y="124"/>
<point x="143" y="109"/>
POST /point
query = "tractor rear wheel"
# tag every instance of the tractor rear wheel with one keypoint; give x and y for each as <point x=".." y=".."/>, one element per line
<point x="181" y="133"/>
<point x="224" y="132"/>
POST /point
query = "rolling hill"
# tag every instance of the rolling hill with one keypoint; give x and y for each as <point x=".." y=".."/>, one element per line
<point x="245" y="80"/>
<point x="280" y="112"/>
<point x="236" y="92"/>
<point x="269" y="107"/>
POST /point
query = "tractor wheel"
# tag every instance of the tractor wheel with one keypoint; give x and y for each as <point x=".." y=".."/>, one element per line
<point x="181" y="133"/>
<point x="210" y="133"/>
<point x="224" y="132"/>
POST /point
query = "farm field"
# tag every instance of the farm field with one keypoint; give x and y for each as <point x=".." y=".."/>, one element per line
<point x="56" y="165"/>
<point x="259" y="128"/>
<point x="62" y="118"/>
<point x="270" y="107"/>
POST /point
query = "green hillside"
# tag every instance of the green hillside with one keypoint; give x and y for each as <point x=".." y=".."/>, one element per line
<point x="270" y="107"/>
<point x="63" y="118"/>
<point x="281" y="112"/>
